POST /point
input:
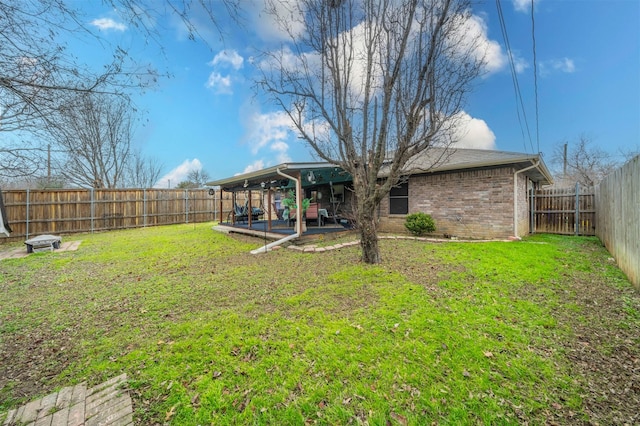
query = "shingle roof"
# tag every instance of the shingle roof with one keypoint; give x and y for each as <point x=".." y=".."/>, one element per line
<point x="438" y="160"/>
<point x="430" y="161"/>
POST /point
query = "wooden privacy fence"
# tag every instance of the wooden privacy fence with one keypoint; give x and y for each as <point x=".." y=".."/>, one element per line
<point x="618" y="198"/>
<point x="67" y="211"/>
<point x="569" y="211"/>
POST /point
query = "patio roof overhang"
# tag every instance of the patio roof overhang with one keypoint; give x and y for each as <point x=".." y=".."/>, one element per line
<point x="310" y="174"/>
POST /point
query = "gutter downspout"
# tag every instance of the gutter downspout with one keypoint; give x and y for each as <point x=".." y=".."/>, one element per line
<point x="515" y="195"/>
<point x="298" y="232"/>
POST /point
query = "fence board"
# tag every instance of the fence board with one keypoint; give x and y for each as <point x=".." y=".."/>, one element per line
<point x="67" y="211"/>
<point x="568" y="211"/>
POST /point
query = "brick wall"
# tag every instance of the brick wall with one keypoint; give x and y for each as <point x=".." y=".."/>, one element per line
<point x="523" y="206"/>
<point x="467" y="204"/>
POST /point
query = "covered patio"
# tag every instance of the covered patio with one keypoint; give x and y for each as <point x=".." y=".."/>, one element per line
<point x="323" y="184"/>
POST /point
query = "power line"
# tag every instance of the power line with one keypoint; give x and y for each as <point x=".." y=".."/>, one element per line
<point x="535" y="75"/>
<point x="514" y="78"/>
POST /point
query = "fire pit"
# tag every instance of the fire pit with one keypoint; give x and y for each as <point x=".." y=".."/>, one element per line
<point x="43" y="243"/>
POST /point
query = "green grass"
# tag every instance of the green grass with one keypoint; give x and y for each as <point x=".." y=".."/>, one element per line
<point x="455" y="333"/>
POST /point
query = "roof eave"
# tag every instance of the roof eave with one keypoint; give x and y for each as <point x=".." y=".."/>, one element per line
<point x="547" y="179"/>
<point x="269" y="172"/>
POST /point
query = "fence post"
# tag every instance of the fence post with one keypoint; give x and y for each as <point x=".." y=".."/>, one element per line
<point x="144" y="207"/>
<point x="577" y="218"/>
<point x="27" y="222"/>
<point x="92" y="209"/>
<point x="186" y="206"/>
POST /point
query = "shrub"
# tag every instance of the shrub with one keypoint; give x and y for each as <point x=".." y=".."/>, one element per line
<point x="420" y="223"/>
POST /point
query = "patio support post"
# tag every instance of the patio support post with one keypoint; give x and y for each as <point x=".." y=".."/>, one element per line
<point x="299" y="204"/>
<point x="250" y="211"/>
<point x="269" y="209"/>
<point x="298" y="215"/>
<point x="233" y="208"/>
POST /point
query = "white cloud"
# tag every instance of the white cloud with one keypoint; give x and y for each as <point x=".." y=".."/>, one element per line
<point x="470" y="40"/>
<point x="523" y="5"/>
<point x="519" y="63"/>
<point x="473" y="133"/>
<point x="286" y="18"/>
<point x="279" y="146"/>
<point x="106" y="24"/>
<point x="255" y="166"/>
<point x="222" y="84"/>
<point x="564" y="65"/>
<point x="228" y="56"/>
<point x="219" y="83"/>
<point x="473" y="38"/>
<point x="179" y="174"/>
<point x="271" y="130"/>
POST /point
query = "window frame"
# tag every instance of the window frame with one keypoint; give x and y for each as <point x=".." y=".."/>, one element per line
<point x="399" y="199"/>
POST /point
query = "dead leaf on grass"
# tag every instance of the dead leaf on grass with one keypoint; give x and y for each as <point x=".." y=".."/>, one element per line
<point x="170" y="413"/>
<point x="399" y="418"/>
<point x="488" y="354"/>
<point x="195" y="400"/>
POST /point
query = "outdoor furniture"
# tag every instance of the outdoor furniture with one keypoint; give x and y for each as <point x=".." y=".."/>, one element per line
<point x="312" y="213"/>
<point x="324" y="214"/>
<point x="43" y="243"/>
<point x="241" y="213"/>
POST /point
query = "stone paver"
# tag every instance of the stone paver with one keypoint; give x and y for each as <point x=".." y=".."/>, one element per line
<point x="22" y="252"/>
<point x="107" y="404"/>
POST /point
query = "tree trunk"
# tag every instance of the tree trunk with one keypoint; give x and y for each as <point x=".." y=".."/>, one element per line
<point x="369" y="238"/>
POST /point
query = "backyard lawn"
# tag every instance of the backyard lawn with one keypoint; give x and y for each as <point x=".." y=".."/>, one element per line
<point x="541" y="331"/>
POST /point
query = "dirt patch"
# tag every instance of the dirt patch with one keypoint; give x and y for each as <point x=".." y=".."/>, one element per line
<point x="605" y="352"/>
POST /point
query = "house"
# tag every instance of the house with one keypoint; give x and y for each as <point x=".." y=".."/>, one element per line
<point x="470" y="193"/>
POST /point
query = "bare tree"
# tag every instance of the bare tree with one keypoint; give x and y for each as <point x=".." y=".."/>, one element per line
<point x="95" y="132"/>
<point x="196" y="178"/>
<point x="369" y="84"/>
<point x="583" y="162"/>
<point x="142" y="172"/>
<point x="199" y="177"/>
<point x="37" y="70"/>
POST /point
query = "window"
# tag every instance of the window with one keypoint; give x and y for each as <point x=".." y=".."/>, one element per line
<point x="399" y="199"/>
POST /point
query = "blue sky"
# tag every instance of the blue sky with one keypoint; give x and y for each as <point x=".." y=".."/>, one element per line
<point x="208" y="115"/>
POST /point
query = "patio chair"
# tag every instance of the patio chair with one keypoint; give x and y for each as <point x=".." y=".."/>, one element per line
<point x="312" y="214"/>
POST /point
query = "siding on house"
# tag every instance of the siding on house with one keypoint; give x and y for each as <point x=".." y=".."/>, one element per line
<point x="474" y="204"/>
